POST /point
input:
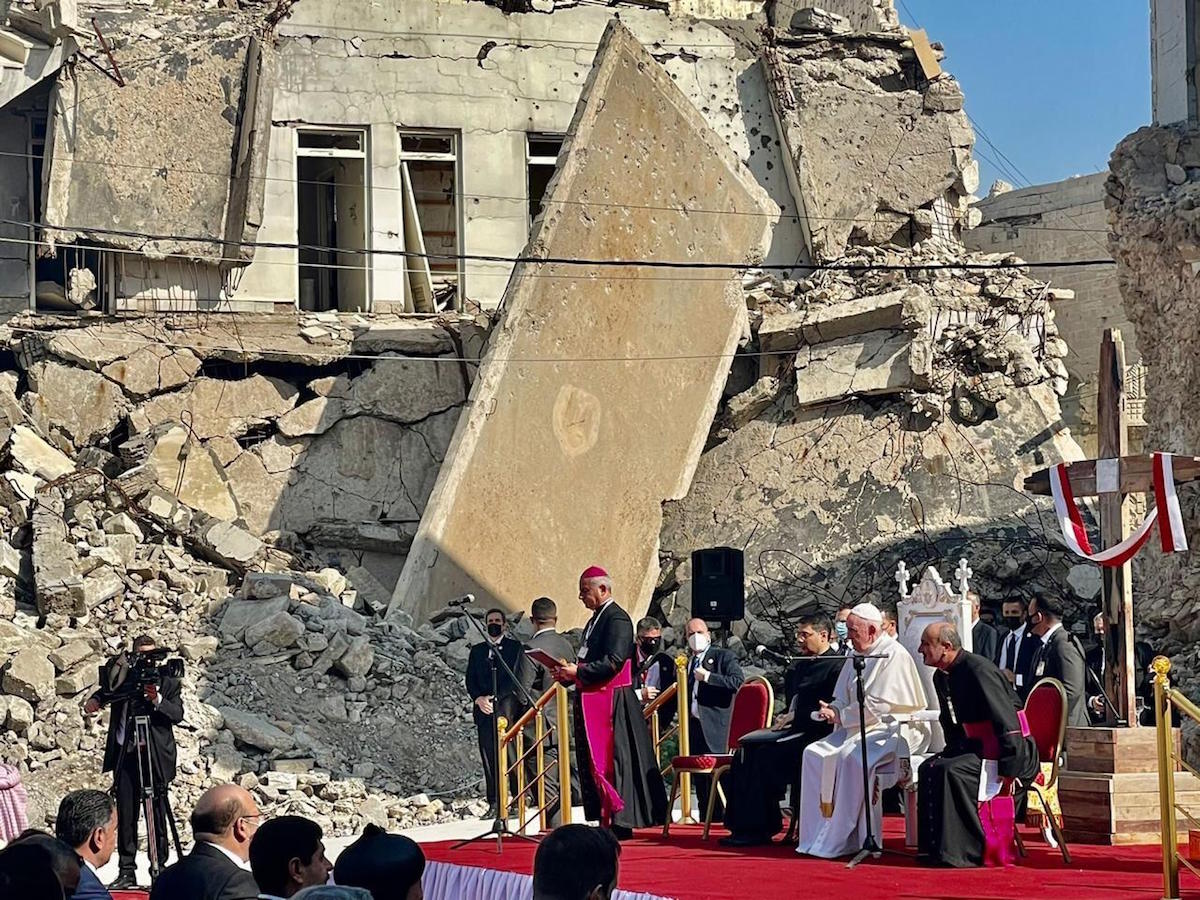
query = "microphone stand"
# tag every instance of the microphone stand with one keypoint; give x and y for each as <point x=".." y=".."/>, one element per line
<point x="499" y="829"/>
<point x="1121" y="721"/>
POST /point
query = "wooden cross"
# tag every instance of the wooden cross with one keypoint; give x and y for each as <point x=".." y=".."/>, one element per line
<point x="1110" y="477"/>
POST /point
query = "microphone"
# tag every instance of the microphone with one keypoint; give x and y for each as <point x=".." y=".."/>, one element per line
<point x="464" y="600"/>
<point x="764" y="650"/>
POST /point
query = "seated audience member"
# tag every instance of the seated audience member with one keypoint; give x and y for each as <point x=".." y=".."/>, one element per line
<point x="223" y="823"/>
<point x="388" y="865"/>
<point x="27" y="871"/>
<point x="333" y="892"/>
<point x="287" y="855"/>
<point x="768" y="761"/>
<point x="576" y="862"/>
<point x="87" y="821"/>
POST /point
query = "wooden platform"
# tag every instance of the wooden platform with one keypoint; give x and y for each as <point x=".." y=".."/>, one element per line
<point x="1108" y="791"/>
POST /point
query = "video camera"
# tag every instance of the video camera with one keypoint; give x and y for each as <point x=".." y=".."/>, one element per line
<point x="127" y="676"/>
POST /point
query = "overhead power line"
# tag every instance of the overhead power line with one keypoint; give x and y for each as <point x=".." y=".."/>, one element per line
<point x="563" y="260"/>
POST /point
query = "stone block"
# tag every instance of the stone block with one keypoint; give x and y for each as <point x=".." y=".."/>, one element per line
<point x="370" y="591"/>
<point x="30" y="675"/>
<point x="747" y="405"/>
<point x="199" y="649"/>
<point x="241" y="614"/>
<point x="102" y="584"/>
<point x="265" y="585"/>
<point x="357" y="659"/>
<point x="232" y="545"/>
<point x="279" y="629"/>
<point x="10" y="559"/>
<point x="881" y="362"/>
<point x="216" y="407"/>
<point x="644" y="144"/>
<point x="905" y="308"/>
<point x="123" y="523"/>
<point x="35" y="456"/>
<point x="85" y="405"/>
<point x="16" y="714"/>
<point x="76" y="681"/>
<point x="190" y="471"/>
<point x="153" y="369"/>
<point x="70" y="654"/>
<point x="255" y="731"/>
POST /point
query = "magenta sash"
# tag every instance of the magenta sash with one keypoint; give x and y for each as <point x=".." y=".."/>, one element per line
<point x="597" y="703"/>
<point x="985" y="733"/>
<point x="997" y="814"/>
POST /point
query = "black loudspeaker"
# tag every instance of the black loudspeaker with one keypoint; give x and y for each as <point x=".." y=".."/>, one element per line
<point x="718" y="584"/>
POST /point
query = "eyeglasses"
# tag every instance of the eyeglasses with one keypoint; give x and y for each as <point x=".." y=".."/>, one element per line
<point x="254" y="816"/>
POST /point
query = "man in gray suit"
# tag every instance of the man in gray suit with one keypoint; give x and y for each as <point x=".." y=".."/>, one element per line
<point x="543" y="613"/>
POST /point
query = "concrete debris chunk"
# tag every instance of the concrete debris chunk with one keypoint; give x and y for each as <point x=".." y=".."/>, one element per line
<point x="357" y="659"/>
<point x="70" y="654"/>
<point x="279" y="629"/>
<point x="37" y="457"/>
<point x="122" y="523"/>
<point x="880" y="362"/>
<point x="193" y="473"/>
<point x="85" y="405"/>
<point x="153" y="369"/>
<point x="214" y="407"/>
<point x="255" y="731"/>
<point x="904" y="308"/>
<point x="746" y="406"/>
<point x="30" y="676"/>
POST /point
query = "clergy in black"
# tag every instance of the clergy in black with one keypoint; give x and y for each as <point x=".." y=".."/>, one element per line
<point x="606" y="656"/>
<point x="505" y="701"/>
<point x="971" y="690"/>
<point x="768" y="761"/>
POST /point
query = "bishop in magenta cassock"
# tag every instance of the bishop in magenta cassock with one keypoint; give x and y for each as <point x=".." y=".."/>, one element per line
<point x="620" y="782"/>
<point x="987" y="745"/>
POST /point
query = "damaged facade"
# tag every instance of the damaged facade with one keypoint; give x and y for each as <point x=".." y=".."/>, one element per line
<point x="261" y="417"/>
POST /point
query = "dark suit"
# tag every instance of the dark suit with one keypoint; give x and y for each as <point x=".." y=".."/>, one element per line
<point x="537" y="681"/>
<point x="1060" y="657"/>
<point x="1143" y="684"/>
<point x="1027" y="653"/>
<point x="708" y="716"/>
<point x="985" y="640"/>
<point x="90" y="887"/>
<point x="506" y="703"/>
<point x="204" y="874"/>
<point x="127" y="781"/>
<point x="769" y="761"/>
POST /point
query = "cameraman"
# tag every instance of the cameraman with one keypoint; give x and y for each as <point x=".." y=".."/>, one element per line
<point x="162" y="703"/>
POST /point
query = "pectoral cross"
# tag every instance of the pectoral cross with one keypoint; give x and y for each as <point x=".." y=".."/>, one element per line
<point x="1111" y="477"/>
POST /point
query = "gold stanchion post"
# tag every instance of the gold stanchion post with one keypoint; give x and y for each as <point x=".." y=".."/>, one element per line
<point x="1166" y="778"/>
<point x="501" y="768"/>
<point x="564" y="755"/>
<point x="539" y="733"/>
<point x="522" y="798"/>
<point x="683" y="709"/>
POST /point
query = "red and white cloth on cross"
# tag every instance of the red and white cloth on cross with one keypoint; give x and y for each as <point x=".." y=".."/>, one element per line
<point x="1165" y="511"/>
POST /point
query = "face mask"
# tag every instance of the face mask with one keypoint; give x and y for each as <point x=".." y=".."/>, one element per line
<point x="495" y="629"/>
<point x="698" y="643"/>
<point x="842" y="629"/>
<point x="1013" y="622"/>
<point x="650" y="645"/>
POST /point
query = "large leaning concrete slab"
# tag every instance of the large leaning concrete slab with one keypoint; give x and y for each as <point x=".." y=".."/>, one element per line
<point x="599" y="386"/>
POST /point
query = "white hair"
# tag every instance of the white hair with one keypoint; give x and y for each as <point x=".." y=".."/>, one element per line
<point x="602" y="580"/>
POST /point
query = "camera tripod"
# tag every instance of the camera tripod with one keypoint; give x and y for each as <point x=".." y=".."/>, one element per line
<point x="151" y="786"/>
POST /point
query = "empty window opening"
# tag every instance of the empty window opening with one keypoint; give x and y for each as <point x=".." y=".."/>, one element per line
<point x="331" y="216"/>
<point x="429" y="179"/>
<point x="66" y="278"/>
<point x="541" y="153"/>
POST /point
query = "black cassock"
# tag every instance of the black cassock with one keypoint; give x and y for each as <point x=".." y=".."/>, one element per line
<point x="608" y="643"/>
<point x="971" y="690"/>
<point x="768" y="762"/>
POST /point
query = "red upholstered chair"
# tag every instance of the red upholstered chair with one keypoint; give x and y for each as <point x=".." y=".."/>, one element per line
<point x="752" y="708"/>
<point x="1046" y="713"/>
<point x="130" y="895"/>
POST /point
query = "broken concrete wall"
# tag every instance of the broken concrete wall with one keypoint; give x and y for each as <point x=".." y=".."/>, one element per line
<point x="564" y="456"/>
<point x="15" y="201"/>
<point x="1173" y="61"/>
<point x="114" y="170"/>
<point x="1065" y="220"/>
<point x="827" y="494"/>
<point x="875" y="153"/>
<point x="862" y="16"/>
<point x="490" y="79"/>
<point x="1156" y="243"/>
<point x="261" y="422"/>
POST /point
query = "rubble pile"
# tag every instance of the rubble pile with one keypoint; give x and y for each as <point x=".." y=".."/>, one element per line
<point x="877" y="415"/>
<point x="122" y="513"/>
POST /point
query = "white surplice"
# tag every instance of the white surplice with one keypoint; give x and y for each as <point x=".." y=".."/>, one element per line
<point x="832" y="811"/>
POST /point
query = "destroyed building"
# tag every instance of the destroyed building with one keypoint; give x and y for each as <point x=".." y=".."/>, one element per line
<point x="1153" y="190"/>
<point x="276" y="383"/>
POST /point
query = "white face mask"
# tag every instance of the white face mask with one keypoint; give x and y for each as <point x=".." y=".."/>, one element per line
<point x="698" y="642"/>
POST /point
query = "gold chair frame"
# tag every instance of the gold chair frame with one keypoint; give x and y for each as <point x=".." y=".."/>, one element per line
<point x="1051" y="819"/>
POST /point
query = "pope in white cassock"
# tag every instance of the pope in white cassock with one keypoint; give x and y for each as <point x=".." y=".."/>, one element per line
<point x="832" y="809"/>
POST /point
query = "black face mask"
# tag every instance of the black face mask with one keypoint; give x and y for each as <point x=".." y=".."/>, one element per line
<point x="495" y="629"/>
<point x="1013" y="622"/>
<point x="1029" y="622"/>
<point x="650" y="646"/>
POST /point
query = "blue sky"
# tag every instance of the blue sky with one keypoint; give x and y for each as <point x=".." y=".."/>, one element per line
<point x="1055" y="84"/>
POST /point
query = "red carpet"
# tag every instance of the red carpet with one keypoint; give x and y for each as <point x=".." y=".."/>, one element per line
<point x="685" y="867"/>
